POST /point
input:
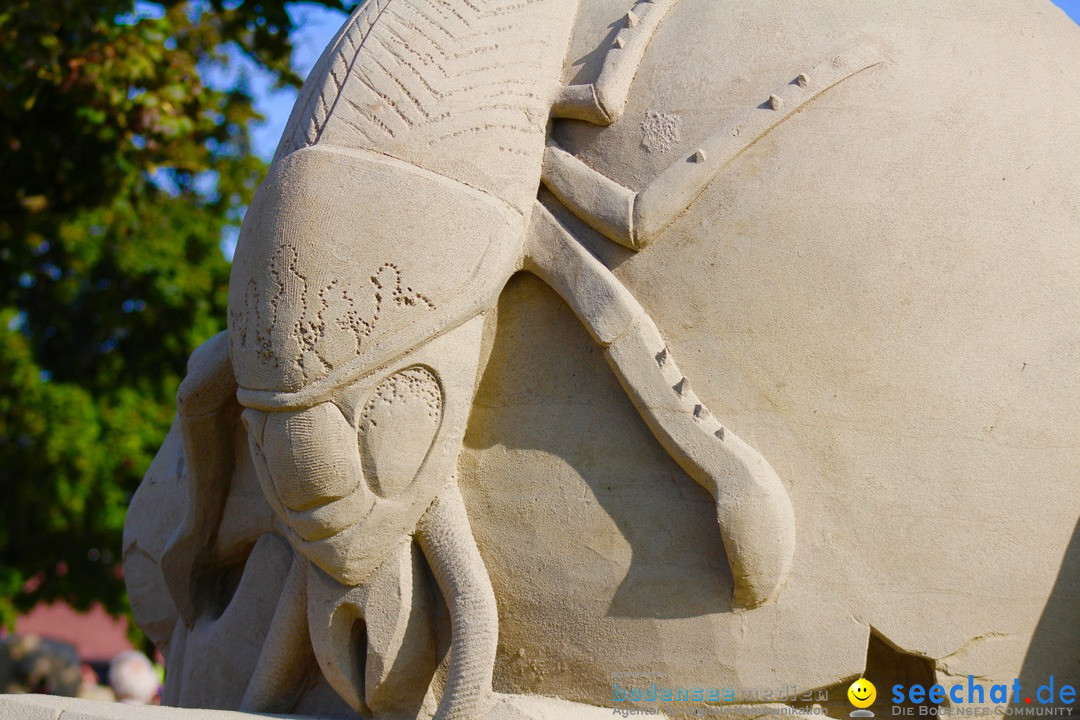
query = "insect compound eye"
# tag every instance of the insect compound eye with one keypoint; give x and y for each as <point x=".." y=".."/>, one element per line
<point x="311" y="455"/>
<point x="397" y="428"/>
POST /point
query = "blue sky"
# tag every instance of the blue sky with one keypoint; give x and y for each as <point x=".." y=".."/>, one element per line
<point x="315" y="27"/>
<point x="1072" y="7"/>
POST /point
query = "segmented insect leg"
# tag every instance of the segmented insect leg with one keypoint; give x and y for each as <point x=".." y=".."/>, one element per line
<point x="208" y="412"/>
<point x="279" y="677"/>
<point x="447" y="541"/>
<point x="634" y="219"/>
<point x="602" y="102"/>
<point x="753" y="509"/>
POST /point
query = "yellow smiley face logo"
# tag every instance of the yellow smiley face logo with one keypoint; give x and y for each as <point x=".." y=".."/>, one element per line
<point x="862" y="693"/>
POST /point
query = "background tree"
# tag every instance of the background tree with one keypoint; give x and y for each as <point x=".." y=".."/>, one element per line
<point x="122" y="169"/>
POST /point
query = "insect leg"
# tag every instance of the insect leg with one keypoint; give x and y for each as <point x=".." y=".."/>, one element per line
<point x="207" y="410"/>
<point x="634" y="219"/>
<point x="602" y="102"/>
<point x="279" y="677"/>
<point x="753" y="509"/>
<point x="447" y="541"/>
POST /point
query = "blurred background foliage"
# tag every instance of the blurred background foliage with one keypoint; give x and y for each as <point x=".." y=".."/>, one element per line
<point x="127" y="158"/>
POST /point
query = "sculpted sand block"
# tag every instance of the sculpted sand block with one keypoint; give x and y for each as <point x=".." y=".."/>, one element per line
<point x="567" y="339"/>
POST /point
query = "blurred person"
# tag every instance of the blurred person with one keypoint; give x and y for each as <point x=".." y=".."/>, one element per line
<point x="32" y="664"/>
<point x="133" y="678"/>
<point x="91" y="688"/>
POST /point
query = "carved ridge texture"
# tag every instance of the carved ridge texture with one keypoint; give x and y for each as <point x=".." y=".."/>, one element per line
<point x="453" y="87"/>
<point x="312" y="108"/>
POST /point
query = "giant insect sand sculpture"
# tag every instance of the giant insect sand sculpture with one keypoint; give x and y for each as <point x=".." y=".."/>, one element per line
<point x="403" y="196"/>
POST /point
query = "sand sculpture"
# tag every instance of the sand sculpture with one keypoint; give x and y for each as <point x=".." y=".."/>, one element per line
<point x="834" y="290"/>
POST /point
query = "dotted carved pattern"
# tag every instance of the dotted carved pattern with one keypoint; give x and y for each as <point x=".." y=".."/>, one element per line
<point x="414" y="383"/>
<point x="309" y="329"/>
